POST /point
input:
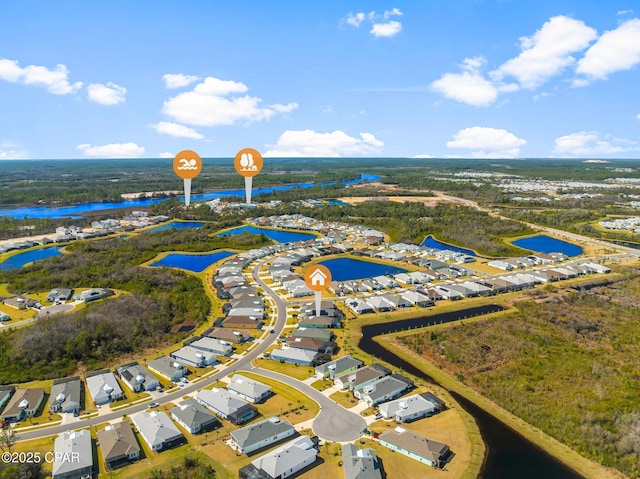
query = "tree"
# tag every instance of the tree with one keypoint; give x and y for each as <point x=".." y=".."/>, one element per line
<point x="8" y="438"/>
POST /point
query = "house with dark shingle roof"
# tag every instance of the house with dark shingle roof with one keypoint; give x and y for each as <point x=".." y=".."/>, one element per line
<point x="194" y="417"/>
<point x="261" y="434"/>
<point x="118" y="444"/>
<point x="66" y="394"/>
<point x="137" y="377"/>
<point x="423" y="449"/>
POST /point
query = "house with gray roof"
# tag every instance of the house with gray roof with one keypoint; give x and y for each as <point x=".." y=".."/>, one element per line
<point x="157" y="430"/>
<point x="417" y="299"/>
<point x="360" y="463"/>
<point x="228" y="335"/>
<point x="409" y="408"/>
<point x="248" y="389"/>
<point x="59" y="294"/>
<point x="338" y="367"/>
<point x="261" y="434"/>
<point x="24" y="403"/>
<point x="295" y="356"/>
<point x="211" y="345"/>
<point x="313" y="333"/>
<point x="283" y="461"/>
<point x="360" y="377"/>
<point x="194" y="417"/>
<point x="118" y="444"/>
<point x="226" y="405"/>
<point x="194" y="357"/>
<point x="423" y="449"/>
<point x="380" y="303"/>
<point x="168" y="368"/>
<point x="66" y="394"/>
<point x="319" y="322"/>
<point x="137" y="377"/>
<point x="383" y="389"/>
<point x="103" y="387"/>
<point x="397" y="301"/>
<point x="73" y="455"/>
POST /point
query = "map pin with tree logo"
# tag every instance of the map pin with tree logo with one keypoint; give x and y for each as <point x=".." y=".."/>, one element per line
<point x="187" y="165"/>
<point x="248" y="163"/>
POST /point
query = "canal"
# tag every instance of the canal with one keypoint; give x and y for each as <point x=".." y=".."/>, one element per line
<point x="509" y="455"/>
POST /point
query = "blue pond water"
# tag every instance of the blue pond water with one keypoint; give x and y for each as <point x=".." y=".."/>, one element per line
<point x="280" y="236"/>
<point x="75" y="211"/>
<point x="431" y="242"/>
<point x="20" y="259"/>
<point x="337" y="202"/>
<point x="175" y="225"/>
<point x="346" y="269"/>
<point x="192" y="262"/>
<point x="547" y="244"/>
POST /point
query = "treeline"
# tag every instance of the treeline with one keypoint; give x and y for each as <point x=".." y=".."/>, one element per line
<point x="161" y="299"/>
<point x="567" y="365"/>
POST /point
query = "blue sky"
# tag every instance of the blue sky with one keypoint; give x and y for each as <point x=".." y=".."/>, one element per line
<point x="461" y="78"/>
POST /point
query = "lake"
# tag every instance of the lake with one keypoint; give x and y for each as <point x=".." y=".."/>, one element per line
<point x="77" y="210"/>
<point x="19" y="260"/>
<point x="431" y="242"/>
<point x="547" y="244"/>
<point x="347" y="269"/>
<point x="281" y="236"/>
<point x="192" y="262"/>
<point x="175" y="225"/>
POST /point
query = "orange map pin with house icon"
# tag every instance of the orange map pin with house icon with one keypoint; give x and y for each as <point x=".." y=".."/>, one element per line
<point x="187" y="165"/>
<point x="317" y="278"/>
<point x="248" y="163"/>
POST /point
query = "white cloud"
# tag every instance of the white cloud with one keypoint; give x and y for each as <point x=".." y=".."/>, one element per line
<point x="112" y="150"/>
<point x="381" y="26"/>
<point x="56" y="81"/>
<point x="166" y="154"/>
<point x="109" y="94"/>
<point x="213" y="103"/>
<point x="592" y="143"/>
<point x="388" y="29"/>
<point x="469" y="86"/>
<point x="12" y="155"/>
<point x="174" y="129"/>
<point x="547" y="52"/>
<point x="638" y="116"/>
<point x="625" y="12"/>
<point x="178" y="80"/>
<point x="354" y="19"/>
<point x="391" y="13"/>
<point x="487" y="142"/>
<point x="615" y="50"/>
<point x="309" y="143"/>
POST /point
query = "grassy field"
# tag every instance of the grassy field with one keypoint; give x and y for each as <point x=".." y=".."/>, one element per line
<point x="291" y="370"/>
<point x="534" y="354"/>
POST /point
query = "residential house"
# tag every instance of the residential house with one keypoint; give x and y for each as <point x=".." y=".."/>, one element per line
<point x="73" y="455"/>
<point x="295" y="356"/>
<point x="194" y="417"/>
<point x="397" y="301"/>
<point x="118" y="444"/>
<point x="211" y="345"/>
<point x="66" y="394"/>
<point x="261" y="434"/>
<point x="417" y="299"/>
<point x="361" y="377"/>
<point x="313" y="333"/>
<point x="168" y="368"/>
<point x="93" y="294"/>
<point x="283" y="461"/>
<point x="338" y="367"/>
<point x="412" y="407"/>
<point x="359" y="306"/>
<point x="360" y="463"/>
<point x="103" y="387"/>
<point x="414" y="445"/>
<point x="59" y="294"/>
<point x="137" y="377"/>
<point x="310" y="344"/>
<point x="248" y="389"/>
<point x="383" y="389"/>
<point x="194" y="357"/>
<point x="4" y="317"/>
<point x="5" y="394"/>
<point x="319" y="322"/>
<point x="242" y="322"/>
<point x="226" y="405"/>
<point x="227" y="335"/>
<point x="24" y="403"/>
<point x="157" y="430"/>
<point x="380" y="303"/>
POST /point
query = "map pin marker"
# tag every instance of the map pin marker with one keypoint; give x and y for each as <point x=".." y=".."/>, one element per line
<point x="248" y="163"/>
<point x="317" y="278"/>
<point x="187" y="165"/>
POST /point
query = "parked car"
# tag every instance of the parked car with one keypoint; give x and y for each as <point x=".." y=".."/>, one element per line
<point x="154" y="404"/>
<point x="378" y="416"/>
